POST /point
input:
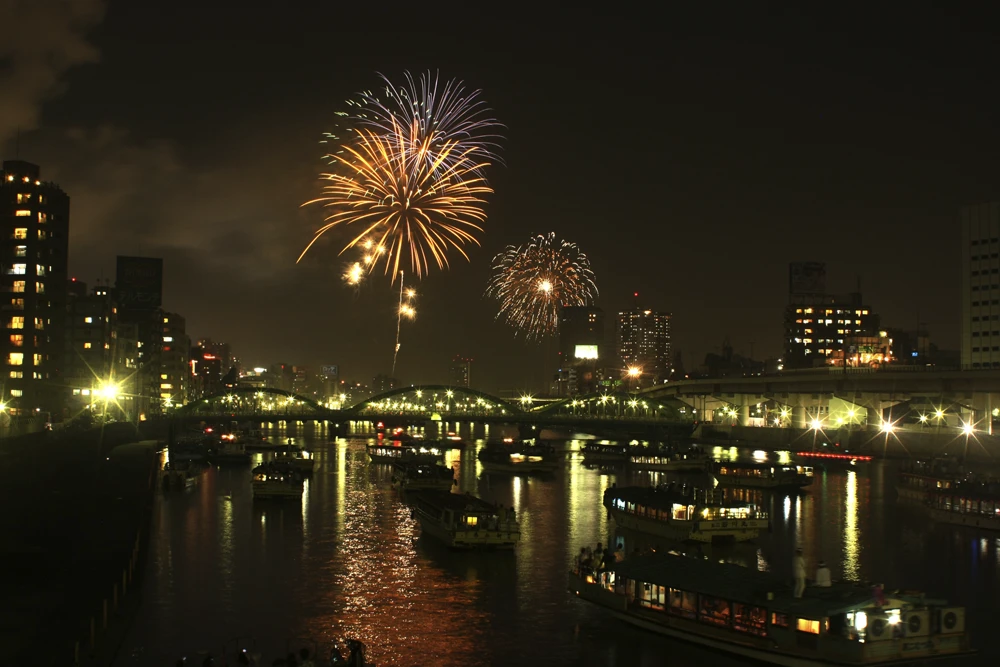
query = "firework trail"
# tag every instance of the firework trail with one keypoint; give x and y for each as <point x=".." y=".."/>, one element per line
<point x="533" y="281"/>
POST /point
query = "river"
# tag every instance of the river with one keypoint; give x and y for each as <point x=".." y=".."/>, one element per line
<point x="348" y="560"/>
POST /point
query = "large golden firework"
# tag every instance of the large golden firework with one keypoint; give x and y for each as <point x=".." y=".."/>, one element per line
<point x="402" y="200"/>
<point x="533" y="281"/>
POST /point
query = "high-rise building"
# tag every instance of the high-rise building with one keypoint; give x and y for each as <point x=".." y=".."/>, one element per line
<point x="34" y="228"/>
<point x="222" y="351"/>
<point x="821" y="329"/>
<point x="139" y="294"/>
<point x="206" y="373"/>
<point x="581" y="349"/>
<point x="175" y="371"/>
<point x="461" y="371"/>
<point x="644" y="344"/>
<point x="981" y="286"/>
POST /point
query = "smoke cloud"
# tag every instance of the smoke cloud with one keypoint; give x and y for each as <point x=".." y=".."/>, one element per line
<point x="39" y="41"/>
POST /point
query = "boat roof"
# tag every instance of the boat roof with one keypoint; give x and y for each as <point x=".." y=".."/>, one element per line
<point x="741" y="584"/>
<point x="761" y="465"/>
<point x="459" y="502"/>
<point x="664" y="498"/>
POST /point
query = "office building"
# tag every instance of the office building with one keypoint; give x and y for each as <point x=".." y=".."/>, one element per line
<point x="175" y="352"/>
<point x="581" y="349"/>
<point x="644" y="346"/>
<point x="461" y="371"/>
<point x="34" y="227"/>
<point x="206" y="373"/>
<point x="222" y="351"/>
<point x="981" y="286"/>
<point x="139" y="295"/>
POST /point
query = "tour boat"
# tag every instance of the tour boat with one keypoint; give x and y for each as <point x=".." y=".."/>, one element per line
<point x="966" y="504"/>
<point x="403" y="453"/>
<point x="230" y="449"/>
<point x="595" y="453"/>
<point x="754" y="615"/>
<point x="517" y="458"/>
<point x="180" y="475"/>
<point x="465" y="522"/>
<point x="675" y="515"/>
<point x="423" y="477"/>
<point x="276" y="482"/>
<point x="298" y="460"/>
<point x="762" y="475"/>
<point x="693" y="460"/>
<point x="918" y="479"/>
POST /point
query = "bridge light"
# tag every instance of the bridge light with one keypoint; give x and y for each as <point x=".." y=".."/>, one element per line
<point x="419" y="393"/>
<point x="850" y="414"/>
<point x="449" y="393"/>
<point x="923" y="419"/>
<point x="939" y="413"/>
<point x="968" y="428"/>
<point x="816" y="424"/>
<point x="888" y="427"/>
<point x="784" y="412"/>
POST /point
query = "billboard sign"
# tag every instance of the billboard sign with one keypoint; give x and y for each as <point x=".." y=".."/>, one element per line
<point x="330" y="371"/>
<point x="139" y="281"/>
<point x="585" y="352"/>
<point x="807" y="278"/>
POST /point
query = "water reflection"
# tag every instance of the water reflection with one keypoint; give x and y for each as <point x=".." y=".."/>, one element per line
<point x="851" y="547"/>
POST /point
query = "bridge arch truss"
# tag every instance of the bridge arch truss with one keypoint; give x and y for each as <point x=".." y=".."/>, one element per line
<point x="254" y="402"/>
<point x="436" y="398"/>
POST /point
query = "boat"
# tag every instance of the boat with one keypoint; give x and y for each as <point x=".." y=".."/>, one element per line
<point x="465" y="522"/>
<point x="594" y="453"/>
<point x="754" y="615"/>
<point x="423" y="476"/>
<point x="229" y="449"/>
<point x="454" y="441"/>
<point x="966" y="504"/>
<point x="684" y="514"/>
<point x="180" y="475"/>
<point x="517" y="458"/>
<point x="762" y="475"/>
<point x="917" y="479"/>
<point x="297" y="459"/>
<point x="397" y="434"/>
<point x="276" y="482"/>
<point x="692" y="460"/>
<point x="403" y="453"/>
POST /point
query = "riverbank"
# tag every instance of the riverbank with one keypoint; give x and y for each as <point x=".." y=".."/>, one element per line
<point x="78" y="508"/>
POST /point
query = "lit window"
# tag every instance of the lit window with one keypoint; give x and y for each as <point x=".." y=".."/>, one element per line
<point x="16" y="322"/>
<point x="18" y="286"/>
<point x="107" y="346"/>
<point x="166" y="320"/>
<point x="42" y="217"/>
<point x="21" y="198"/>
<point x="76" y="392"/>
<point x="39" y="270"/>
<point x="39" y="323"/>
<point x="17" y="374"/>
<point x="163" y="376"/>
<point x="17" y="393"/>
<point x="17" y="340"/>
<point x="168" y="339"/>
<point x="39" y="288"/>
<point x="19" y="269"/>
<point x="88" y="320"/>
<point x="805" y="625"/>
<point x="166" y="385"/>
<point x="17" y="304"/>
<point x="21" y="251"/>
<point x="15" y="358"/>
<point x="22" y="213"/>
<point x="38" y="359"/>
<point x="87" y="346"/>
<point x="42" y="234"/>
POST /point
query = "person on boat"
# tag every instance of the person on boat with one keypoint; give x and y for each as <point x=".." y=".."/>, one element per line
<point x="799" y="571"/>
<point x="619" y="554"/>
<point x="336" y="657"/>
<point x="823" y="576"/>
<point x="580" y="557"/>
<point x="598" y="557"/>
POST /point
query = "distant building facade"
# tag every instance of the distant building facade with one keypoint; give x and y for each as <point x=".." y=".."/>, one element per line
<point x="175" y="357"/>
<point x="582" y="343"/>
<point x="34" y="228"/>
<point x="139" y="295"/>
<point x="461" y="371"/>
<point x="981" y="286"/>
<point x="644" y="344"/>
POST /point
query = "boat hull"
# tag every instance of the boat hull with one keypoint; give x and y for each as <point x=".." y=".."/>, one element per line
<point x="467" y="539"/>
<point x="761" y="482"/>
<point x="671" y="466"/>
<point x="960" y="519"/>
<point x="705" y="532"/>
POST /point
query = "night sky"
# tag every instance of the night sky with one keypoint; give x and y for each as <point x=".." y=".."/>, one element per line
<point x="691" y="157"/>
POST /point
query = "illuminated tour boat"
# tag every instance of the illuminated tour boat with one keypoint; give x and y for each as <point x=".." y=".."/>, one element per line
<point x="518" y="458"/>
<point x="690" y="461"/>
<point x="754" y="615"/>
<point x="403" y="453"/>
<point x="466" y="522"/>
<point x="762" y="475"/>
<point x="597" y="453"/>
<point x="298" y="460"/>
<point x="676" y="515"/>
<point x="180" y="475"/>
<point x="918" y="479"/>
<point x="966" y="504"/>
<point x="276" y="482"/>
<point x="423" y="477"/>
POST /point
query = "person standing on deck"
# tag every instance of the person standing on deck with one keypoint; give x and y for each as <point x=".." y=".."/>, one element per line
<point x="799" y="570"/>
<point x="823" y="576"/>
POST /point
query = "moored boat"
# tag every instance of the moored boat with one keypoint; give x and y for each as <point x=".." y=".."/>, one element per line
<point x="754" y="615"/>
<point x="180" y="475"/>
<point x="693" y="460"/>
<point x="403" y="453"/>
<point x="967" y="504"/>
<point x="276" y="482"/>
<point x="918" y="479"/>
<point x="518" y="458"/>
<point x="423" y="477"/>
<point x="596" y="453"/>
<point x="466" y="522"/>
<point x="229" y="449"/>
<point x="762" y="475"/>
<point x="297" y="459"/>
<point x="676" y="514"/>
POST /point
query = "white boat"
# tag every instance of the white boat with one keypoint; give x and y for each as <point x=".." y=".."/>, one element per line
<point x="762" y="475"/>
<point x="754" y="615"/>
<point x="691" y="461"/>
<point x="397" y="452"/>
<point x="298" y="460"/>
<point x="464" y="521"/>
<point x="275" y="482"/>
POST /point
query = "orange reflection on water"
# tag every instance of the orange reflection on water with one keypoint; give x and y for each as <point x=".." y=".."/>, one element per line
<point x="406" y="607"/>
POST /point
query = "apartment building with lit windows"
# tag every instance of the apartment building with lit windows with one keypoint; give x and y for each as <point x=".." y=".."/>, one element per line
<point x="644" y="345"/>
<point x="820" y="329"/>
<point x="34" y="242"/>
<point x="175" y="369"/>
<point x="981" y="285"/>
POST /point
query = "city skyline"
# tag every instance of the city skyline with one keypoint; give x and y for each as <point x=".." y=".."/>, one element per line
<point x="752" y="183"/>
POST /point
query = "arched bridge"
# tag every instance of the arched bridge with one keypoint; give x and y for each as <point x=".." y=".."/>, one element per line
<point x="251" y="403"/>
<point x="442" y="400"/>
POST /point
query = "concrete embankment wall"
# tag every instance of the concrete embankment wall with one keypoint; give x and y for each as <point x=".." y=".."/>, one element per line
<point x="77" y="509"/>
<point x="900" y="444"/>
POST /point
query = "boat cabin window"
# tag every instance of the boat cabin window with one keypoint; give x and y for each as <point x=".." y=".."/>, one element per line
<point x="652" y="596"/>
<point x="471" y="520"/>
<point x="681" y="512"/>
<point x="714" y="610"/>
<point x="779" y="620"/>
<point x="747" y="618"/>
<point x="806" y="625"/>
<point x="683" y="603"/>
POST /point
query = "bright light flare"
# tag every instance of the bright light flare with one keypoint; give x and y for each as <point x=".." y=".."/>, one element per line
<point x="545" y="286"/>
<point x="968" y="428"/>
<point x="634" y="371"/>
<point x="816" y="424"/>
<point x="888" y="427"/>
<point x="355" y="274"/>
<point x="407" y="311"/>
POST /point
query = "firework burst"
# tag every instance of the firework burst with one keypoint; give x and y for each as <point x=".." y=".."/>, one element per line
<point x="412" y="208"/>
<point x="533" y="281"/>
